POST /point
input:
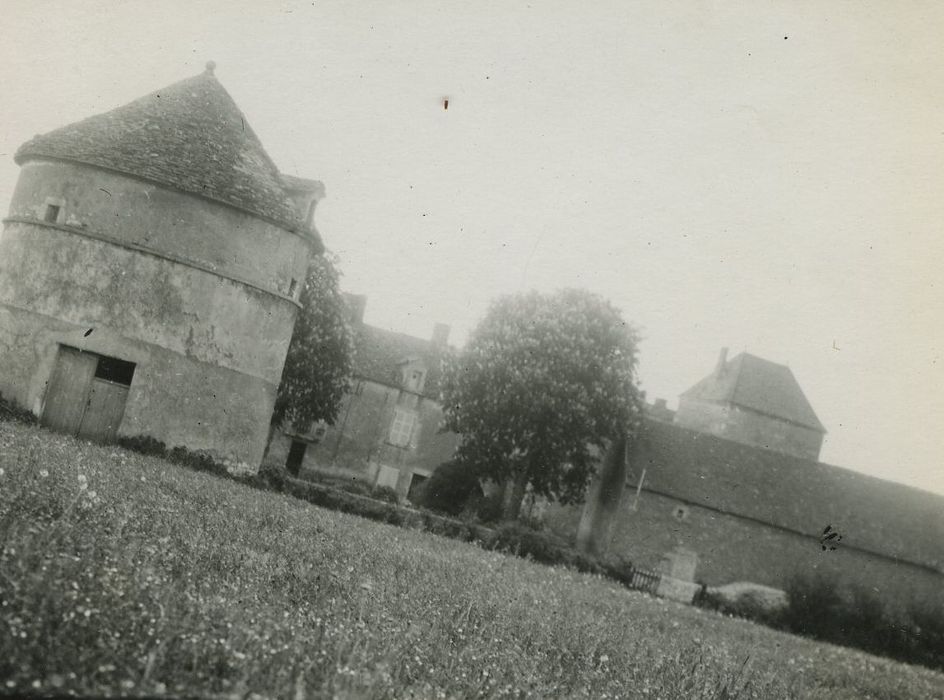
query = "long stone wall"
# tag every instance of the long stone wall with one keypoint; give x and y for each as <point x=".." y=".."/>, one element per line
<point x="730" y="548"/>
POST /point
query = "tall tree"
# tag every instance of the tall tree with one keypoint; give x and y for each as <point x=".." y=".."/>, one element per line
<point x="319" y="362"/>
<point x="542" y="386"/>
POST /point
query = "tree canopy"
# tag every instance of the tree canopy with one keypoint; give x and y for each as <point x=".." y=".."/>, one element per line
<point x="319" y="362"/>
<point x="544" y="382"/>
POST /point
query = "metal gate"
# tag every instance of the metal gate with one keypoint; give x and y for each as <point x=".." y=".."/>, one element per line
<point x="86" y="395"/>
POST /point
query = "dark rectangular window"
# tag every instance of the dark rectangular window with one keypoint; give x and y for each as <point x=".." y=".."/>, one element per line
<point x="52" y="213"/>
<point x="111" y="369"/>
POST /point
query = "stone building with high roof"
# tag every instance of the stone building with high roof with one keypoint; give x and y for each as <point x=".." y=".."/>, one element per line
<point x="730" y="489"/>
<point x="753" y="401"/>
<point x="150" y="269"/>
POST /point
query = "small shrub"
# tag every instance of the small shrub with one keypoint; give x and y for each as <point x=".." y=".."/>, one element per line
<point x="448" y="489"/>
<point x="519" y="539"/>
<point x="271" y="477"/>
<point x="620" y="569"/>
<point x="355" y="486"/>
<point x="144" y="444"/>
<point x="923" y="635"/>
<point x="814" y="606"/>
<point x="12" y="411"/>
<point x="857" y="617"/>
<point x="485" y="509"/>
<point x="385" y="493"/>
<point x="747" y="606"/>
<point x="147" y="445"/>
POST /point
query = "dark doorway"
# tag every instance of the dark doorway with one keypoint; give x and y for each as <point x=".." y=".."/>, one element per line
<point x="86" y="394"/>
<point x="296" y="454"/>
<point x="415" y="483"/>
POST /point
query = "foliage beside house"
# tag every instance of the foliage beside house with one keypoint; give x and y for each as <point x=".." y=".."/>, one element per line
<point x="387" y="430"/>
<point x="319" y="362"/>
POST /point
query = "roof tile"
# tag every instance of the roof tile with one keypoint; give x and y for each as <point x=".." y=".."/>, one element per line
<point x="379" y="354"/>
<point x="190" y="136"/>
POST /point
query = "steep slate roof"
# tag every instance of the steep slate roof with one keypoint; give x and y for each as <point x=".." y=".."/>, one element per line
<point x="379" y="353"/>
<point x="790" y="492"/>
<point x="190" y="136"/>
<point x="759" y="385"/>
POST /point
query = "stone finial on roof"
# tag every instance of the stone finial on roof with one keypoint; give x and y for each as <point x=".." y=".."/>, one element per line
<point x="210" y="67"/>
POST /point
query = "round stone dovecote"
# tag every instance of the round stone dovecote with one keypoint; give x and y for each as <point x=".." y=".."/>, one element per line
<point x="150" y="268"/>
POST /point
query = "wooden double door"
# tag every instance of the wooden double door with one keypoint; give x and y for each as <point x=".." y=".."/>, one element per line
<point x="86" y="395"/>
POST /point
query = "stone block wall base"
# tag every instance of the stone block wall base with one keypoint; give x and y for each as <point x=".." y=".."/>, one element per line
<point x="677" y="589"/>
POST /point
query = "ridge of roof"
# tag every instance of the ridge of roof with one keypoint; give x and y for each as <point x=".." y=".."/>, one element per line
<point x="190" y="136"/>
<point x="379" y="352"/>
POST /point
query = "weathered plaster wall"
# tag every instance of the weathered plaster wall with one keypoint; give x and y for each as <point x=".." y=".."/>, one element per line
<point x="182" y="402"/>
<point x="135" y="212"/>
<point x="358" y="442"/>
<point x="735" y="549"/>
<point x="749" y="427"/>
<point x="188" y="311"/>
<point x="193" y="292"/>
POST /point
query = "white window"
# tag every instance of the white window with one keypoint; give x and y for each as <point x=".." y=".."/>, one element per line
<point x="401" y="430"/>
<point x="387" y="476"/>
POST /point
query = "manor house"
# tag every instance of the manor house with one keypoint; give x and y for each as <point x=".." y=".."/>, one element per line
<point x="387" y="431"/>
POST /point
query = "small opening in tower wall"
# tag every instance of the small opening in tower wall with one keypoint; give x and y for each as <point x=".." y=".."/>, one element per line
<point x="52" y="213"/>
<point x="680" y="513"/>
<point x="111" y="369"/>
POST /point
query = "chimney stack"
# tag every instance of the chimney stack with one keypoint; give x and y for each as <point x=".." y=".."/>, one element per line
<point x="440" y="335"/>
<point x="722" y="361"/>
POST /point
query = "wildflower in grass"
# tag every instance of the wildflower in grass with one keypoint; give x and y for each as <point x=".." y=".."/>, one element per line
<point x="43" y="473"/>
<point x="83" y="482"/>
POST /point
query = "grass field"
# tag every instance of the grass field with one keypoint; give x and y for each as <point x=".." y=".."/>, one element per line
<point x="123" y="574"/>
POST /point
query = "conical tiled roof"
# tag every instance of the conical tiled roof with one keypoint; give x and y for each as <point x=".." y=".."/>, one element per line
<point x="760" y="385"/>
<point x="190" y="136"/>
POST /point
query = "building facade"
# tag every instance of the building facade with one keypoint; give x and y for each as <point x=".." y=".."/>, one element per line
<point x="724" y="508"/>
<point x="756" y="402"/>
<point x="387" y="431"/>
<point x="150" y="268"/>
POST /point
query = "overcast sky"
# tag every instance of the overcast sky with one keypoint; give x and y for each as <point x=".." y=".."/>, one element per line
<point x="762" y="176"/>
